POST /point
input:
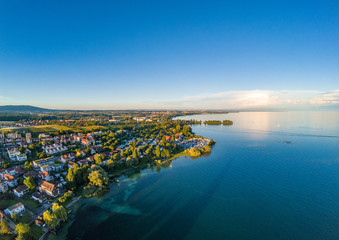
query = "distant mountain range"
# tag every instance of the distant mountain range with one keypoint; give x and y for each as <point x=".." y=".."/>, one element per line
<point x="23" y="108"/>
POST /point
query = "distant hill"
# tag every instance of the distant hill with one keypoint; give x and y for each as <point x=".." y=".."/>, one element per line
<point x="23" y="108"/>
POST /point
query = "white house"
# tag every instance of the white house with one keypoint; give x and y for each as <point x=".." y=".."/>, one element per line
<point x="21" y="157"/>
<point x="13" y="155"/>
<point x="20" y="191"/>
<point x="3" y="186"/>
<point x="18" y="208"/>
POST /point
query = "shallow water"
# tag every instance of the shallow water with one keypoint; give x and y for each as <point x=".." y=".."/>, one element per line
<point x="269" y="176"/>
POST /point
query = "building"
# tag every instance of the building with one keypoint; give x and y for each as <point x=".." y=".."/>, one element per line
<point x="83" y="162"/>
<point x="55" y="148"/>
<point x="71" y="164"/>
<point x="20" y="191"/>
<point x="18" y="208"/>
<point x="67" y="157"/>
<point x="14" y="171"/>
<point x="11" y="181"/>
<point x="46" y="176"/>
<point x="42" y="162"/>
<point x="49" y="188"/>
<point x="38" y="197"/>
<point x="32" y="174"/>
<point x="13" y="135"/>
<point x="13" y="155"/>
<point x="29" y="138"/>
<point x="21" y="157"/>
<point x="3" y="186"/>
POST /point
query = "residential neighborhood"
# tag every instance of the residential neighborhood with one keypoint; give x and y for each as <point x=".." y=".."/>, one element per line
<point x="44" y="171"/>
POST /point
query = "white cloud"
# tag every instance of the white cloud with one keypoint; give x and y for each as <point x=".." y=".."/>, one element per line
<point x="262" y="99"/>
<point x="326" y="99"/>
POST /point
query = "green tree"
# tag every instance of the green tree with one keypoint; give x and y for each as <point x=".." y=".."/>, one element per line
<point x="97" y="158"/>
<point x="4" y="229"/>
<point x="28" y="166"/>
<point x="14" y="216"/>
<point x="21" y="229"/>
<point x="30" y="183"/>
<point x="157" y="151"/>
<point x="178" y="128"/>
<point x="135" y="153"/>
<point x="97" y="176"/>
<point x="70" y="175"/>
<point x="51" y="219"/>
<point x="163" y="140"/>
<point x="59" y="211"/>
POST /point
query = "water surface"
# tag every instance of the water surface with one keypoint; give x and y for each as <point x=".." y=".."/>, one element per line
<point x="269" y="176"/>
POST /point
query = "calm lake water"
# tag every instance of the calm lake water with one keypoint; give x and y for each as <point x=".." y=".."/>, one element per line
<point x="269" y="176"/>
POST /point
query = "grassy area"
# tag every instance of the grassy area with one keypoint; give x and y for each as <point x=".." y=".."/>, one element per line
<point x="93" y="128"/>
<point x="5" y="203"/>
<point x="7" y="237"/>
<point x="89" y="191"/>
<point x="26" y="217"/>
<point x="36" y="232"/>
<point x="31" y="202"/>
<point x="54" y="129"/>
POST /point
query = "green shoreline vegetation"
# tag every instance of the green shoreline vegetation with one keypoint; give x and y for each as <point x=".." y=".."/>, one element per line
<point x="218" y="122"/>
<point x="119" y="144"/>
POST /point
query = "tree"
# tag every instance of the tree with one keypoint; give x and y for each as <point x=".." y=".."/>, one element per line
<point x="30" y="183"/>
<point x="21" y="230"/>
<point x="135" y="153"/>
<point x="178" y="128"/>
<point x="4" y="229"/>
<point x="97" y="158"/>
<point x="97" y="176"/>
<point x="157" y="151"/>
<point x="51" y="219"/>
<point x="28" y="166"/>
<point x="163" y="139"/>
<point x="70" y="176"/>
<point x="59" y="211"/>
<point x="14" y="216"/>
<point x="167" y="153"/>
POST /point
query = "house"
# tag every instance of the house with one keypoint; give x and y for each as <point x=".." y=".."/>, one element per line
<point x="21" y="157"/>
<point x="83" y="162"/>
<point x="46" y="176"/>
<point x="18" y="208"/>
<point x="11" y="181"/>
<point x="3" y="186"/>
<point x="38" y="197"/>
<point x="14" y="171"/>
<point x="20" y="191"/>
<point x="42" y="162"/>
<point x="13" y="155"/>
<point x="178" y="136"/>
<point x="67" y="157"/>
<point x="71" y="164"/>
<point x="47" y="168"/>
<point x="32" y="174"/>
<point x="49" y="188"/>
<point x="40" y="222"/>
<point x="55" y="148"/>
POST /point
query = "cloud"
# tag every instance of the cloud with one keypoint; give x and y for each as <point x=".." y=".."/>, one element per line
<point x="252" y="99"/>
<point x="326" y="99"/>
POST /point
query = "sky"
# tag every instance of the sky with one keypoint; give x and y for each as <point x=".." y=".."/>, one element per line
<point x="169" y="54"/>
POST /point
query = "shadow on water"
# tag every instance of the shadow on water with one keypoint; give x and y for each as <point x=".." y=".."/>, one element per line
<point x="193" y="209"/>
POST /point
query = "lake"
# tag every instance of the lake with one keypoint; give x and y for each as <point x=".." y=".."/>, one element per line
<point x="272" y="175"/>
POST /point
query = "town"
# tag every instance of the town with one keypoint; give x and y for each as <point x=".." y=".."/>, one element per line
<point x="48" y="165"/>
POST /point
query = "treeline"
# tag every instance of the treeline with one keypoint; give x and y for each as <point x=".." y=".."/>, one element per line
<point x="218" y="122"/>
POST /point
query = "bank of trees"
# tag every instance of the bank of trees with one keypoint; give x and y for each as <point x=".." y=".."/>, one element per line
<point x="55" y="216"/>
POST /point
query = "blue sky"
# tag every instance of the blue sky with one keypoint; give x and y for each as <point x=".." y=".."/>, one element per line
<point x="169" y="54"/>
